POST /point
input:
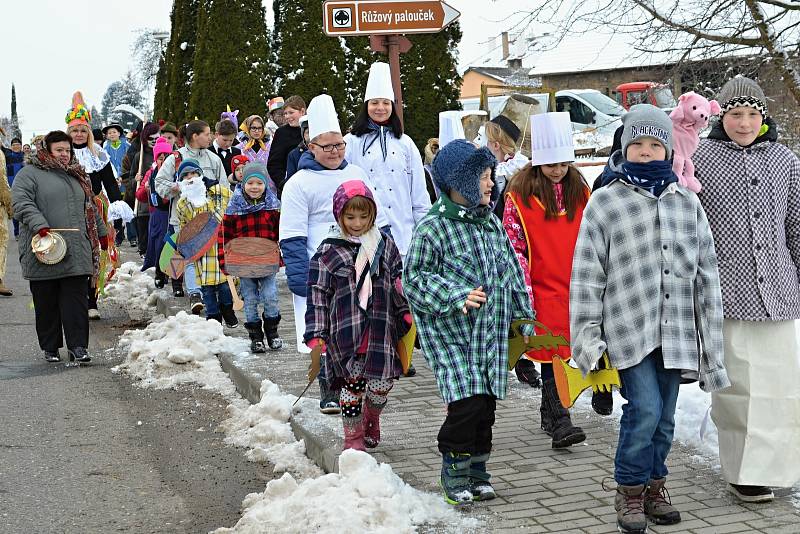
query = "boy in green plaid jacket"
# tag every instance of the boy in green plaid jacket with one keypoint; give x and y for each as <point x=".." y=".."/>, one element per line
<point x="465" y="287"/>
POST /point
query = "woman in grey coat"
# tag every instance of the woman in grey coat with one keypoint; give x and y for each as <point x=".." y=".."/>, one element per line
<point x="54" y="192"/>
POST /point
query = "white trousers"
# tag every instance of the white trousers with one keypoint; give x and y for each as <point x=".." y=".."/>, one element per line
<point x="758" y="417"/>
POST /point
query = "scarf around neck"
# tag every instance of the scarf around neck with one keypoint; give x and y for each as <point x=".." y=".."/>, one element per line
<point x="380" y="131"/>
<point x="239" y="204"/>
<point x="47" y="162"/>
<point x="371" y="246"/>
<point x="654" y="176"/>
<point x="444" y="207"/>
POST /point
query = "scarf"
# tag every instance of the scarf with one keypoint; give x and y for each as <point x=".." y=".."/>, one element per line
<point x="444" y="207"/>
<point x="654" y="176"/>
<point x="380" y="131"/>
<point x="47" y="162"/>
<point x="558" y="192"/>
<point x="89" y="161"/>
<point x="371" y="246"/>
<point x="240" y="204"/>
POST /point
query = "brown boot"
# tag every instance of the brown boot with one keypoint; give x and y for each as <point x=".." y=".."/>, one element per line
<point x="657" y="504"/>
<point x="629" y="503"/>
<point x="6" y="292"/>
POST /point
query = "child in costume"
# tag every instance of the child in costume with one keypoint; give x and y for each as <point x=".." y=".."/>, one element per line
<point x="357" y="310"/>
<point x="543" y="210"/>
<point x="751" y="192"/>
<point x="159" y="212"/>
<point x="254" y="212"/>
<point x="644" y="286"/>
<point x="237" y="169"/>
<point x="199" y="195"/>
<point x="465" y="287"/>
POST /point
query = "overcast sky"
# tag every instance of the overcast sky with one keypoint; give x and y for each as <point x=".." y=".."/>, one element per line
<point x="55" y="47"/>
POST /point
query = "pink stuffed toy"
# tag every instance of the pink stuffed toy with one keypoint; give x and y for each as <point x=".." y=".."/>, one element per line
<point x="688" y="118"/>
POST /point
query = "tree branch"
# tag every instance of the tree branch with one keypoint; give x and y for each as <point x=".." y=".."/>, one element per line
<point x="647" y="6"/>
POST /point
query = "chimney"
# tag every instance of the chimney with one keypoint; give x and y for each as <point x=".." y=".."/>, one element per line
<point x="505" y="45"/>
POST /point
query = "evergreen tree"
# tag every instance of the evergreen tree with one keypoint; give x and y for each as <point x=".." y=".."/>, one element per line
<point x="97" y="118"/>
<point x="15" y="131"/>
<point x="359" y="57"/>
<point x="231" y="64"/>
<point x="175" y="74"/>
<point x="310" y="62"/>
<point x="430" y="80"/>
<point x="125" y="91"/>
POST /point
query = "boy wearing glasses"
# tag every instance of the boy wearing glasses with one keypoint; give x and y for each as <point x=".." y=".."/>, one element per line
<point x="307" y="212"/>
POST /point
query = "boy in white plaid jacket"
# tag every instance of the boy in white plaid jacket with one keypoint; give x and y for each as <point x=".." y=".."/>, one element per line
<point x="644" y="285"/>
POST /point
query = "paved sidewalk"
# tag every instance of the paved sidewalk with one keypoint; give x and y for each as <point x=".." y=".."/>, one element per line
<point x="539" y="489"/>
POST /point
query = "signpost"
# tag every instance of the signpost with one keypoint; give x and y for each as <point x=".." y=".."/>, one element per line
<point x="384" y="22"/>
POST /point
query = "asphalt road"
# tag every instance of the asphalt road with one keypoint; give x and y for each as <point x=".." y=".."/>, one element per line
<point x="82" y="450"/>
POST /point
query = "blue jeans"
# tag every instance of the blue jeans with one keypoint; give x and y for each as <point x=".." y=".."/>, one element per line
<point x="648" y="420"/>
<point x="257" y="291"/>
<point x="213" y="296"/>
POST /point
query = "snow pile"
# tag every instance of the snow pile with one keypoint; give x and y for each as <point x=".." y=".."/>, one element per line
<point x="363" y="497"/>
<point x="264" y="429"/>
<point x="132" y="289"/>
<point x="180" y="350"/>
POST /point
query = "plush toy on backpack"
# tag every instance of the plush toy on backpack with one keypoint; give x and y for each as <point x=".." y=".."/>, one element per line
<point x="688" y="118"/>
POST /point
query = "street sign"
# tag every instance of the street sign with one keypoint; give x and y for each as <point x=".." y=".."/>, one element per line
<point x="370" y="17"/>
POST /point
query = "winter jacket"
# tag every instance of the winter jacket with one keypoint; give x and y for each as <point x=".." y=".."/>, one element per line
<point x="333" y="313"/>
<point x="398" y="181"/>
<point x="117" y="154"/>
<point x="130" y="167"/>
<point x="307" y="215"/>
<point x="209" y="162"/>
<point x="14" y="163"/>
<point x="52" y="199"/>
<point x="449" y="257"/>
<point x="207" y="269"/>
<point x="285" y="140"/>
<point x="258" y="224"/>
<point x="752" y="197"/>
<point x="644" y="275"/>
<point x="292" y="162"/>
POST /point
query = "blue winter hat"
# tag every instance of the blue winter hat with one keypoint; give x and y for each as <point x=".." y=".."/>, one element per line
<point x="459" y="165"/>
<point x="255" y="169"/>
<point x="189" y="165"/>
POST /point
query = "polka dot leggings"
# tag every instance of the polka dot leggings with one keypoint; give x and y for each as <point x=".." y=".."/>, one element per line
<point x="352" y="394"/>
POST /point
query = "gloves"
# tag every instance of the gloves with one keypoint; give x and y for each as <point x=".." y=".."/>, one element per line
<point x="44" y="231"/>
<point x="104" y="242"/>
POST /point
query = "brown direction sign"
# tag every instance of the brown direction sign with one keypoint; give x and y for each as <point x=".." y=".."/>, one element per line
<point x="370" y="17"/>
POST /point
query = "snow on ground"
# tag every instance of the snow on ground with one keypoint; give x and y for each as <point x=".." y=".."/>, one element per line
<point x="179" y="350"/>
<point x="592" y="139"/>
<point x="133" y="290"/>
<point x="363" y="497"/>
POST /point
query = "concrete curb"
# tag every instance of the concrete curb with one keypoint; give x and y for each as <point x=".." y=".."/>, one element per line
<point x="323" y="446"/>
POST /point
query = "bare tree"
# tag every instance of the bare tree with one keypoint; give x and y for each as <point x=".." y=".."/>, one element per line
<point x="692" y="29"/>
<point x="146" y="53"/>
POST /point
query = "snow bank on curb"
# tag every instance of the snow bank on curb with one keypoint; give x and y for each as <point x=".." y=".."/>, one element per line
<point x="181" y="349"/>
<point x="264" y="429"/>
<point x="363" y="497"/>
<point x="132" y="289"/>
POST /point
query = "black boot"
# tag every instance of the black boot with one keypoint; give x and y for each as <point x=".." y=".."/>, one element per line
<point x="560" y="425"/>
<point x="231" y="321"/>
<point x="256" y="337"/>
<point x="271" y="330"/>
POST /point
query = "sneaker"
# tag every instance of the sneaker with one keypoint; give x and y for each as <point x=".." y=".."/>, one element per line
<point x="160" y="282"/>
<point x="52" y="356"/>
<point x="94" y="315"/>
<point x="196" y="304"/>
<point x="229" y="316"/>
<point x="330" y="408"/>
<point x="133" y="243"/>
<point x="411" y="371"/>
<point x="657" y="504"/>
<point x="178" y="292"/>
<point x="629" y="503"/>
<point x="479" y="484"/>
<point x="751" y="493"/>
<point x="79" y="354"/>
